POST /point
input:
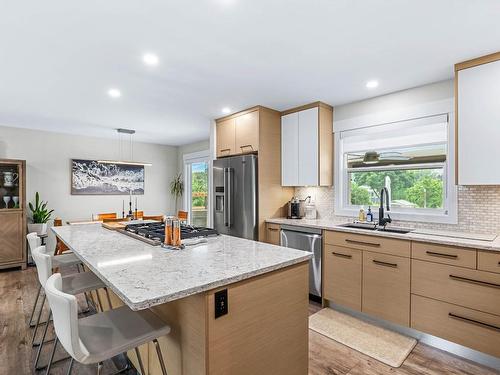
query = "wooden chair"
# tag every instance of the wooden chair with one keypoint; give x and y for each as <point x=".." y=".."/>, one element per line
<point x="154" y="217"/>
<point x="139" y="215"/>
<point x="182" y="216"/>
<point x="110" y="215"/>
<point x="60" y="246"/>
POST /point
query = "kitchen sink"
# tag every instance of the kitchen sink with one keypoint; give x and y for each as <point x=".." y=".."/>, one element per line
<point x="374" y="227"/>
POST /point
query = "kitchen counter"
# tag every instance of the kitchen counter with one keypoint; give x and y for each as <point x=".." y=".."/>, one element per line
<point x="437" y="237"/>
<point x="143" y="275"/>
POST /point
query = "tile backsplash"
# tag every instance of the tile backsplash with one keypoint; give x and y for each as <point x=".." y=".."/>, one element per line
<point x="478" y="208"/>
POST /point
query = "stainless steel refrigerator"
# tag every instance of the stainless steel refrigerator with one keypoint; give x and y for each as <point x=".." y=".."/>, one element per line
<point x="236" y="198"/>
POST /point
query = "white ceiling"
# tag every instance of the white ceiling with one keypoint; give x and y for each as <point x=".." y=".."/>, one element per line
<point x="58" y="58"/>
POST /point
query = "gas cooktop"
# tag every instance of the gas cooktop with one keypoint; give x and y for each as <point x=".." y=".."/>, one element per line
<point x="154" y="233"/>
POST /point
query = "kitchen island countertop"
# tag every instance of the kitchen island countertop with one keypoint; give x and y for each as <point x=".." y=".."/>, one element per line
<point x="144" y="276"/>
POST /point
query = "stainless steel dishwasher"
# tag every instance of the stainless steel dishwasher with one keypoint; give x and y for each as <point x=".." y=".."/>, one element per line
<point x="306" y="239"/>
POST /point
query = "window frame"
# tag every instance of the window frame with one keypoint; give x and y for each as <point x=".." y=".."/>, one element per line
<point x="188" y="159"/>
<point x="447" y="215"/>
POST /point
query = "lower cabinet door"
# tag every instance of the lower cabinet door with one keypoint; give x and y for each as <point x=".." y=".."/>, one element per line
<point x="273" y="233"/>
<point x="471" y="328"/>
<point x="386" y="287"/>
<point x="11" y="237"/>
<point x="342" y="276"/>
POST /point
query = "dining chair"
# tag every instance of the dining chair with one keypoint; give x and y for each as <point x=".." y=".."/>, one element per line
<point x="110" y="215"/>
<point x="96" y="338"/>
<point x="60" y="246"/>
<point x="182" y="216"/>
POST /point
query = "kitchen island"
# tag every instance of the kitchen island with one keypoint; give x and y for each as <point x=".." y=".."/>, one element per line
<point x="265" y="330"/>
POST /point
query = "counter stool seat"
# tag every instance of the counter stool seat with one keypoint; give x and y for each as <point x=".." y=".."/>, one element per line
<point x="81" y="282"/>
<point x="65" y="260"/>
<point x="112" y="332"/>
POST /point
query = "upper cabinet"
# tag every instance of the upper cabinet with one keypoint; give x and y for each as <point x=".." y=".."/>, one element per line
<point x="307" y="146"/>
<point x="477" y="120"/>
<point x="238" y="134"/>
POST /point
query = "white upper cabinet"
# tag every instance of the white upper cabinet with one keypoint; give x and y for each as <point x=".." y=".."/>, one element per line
<point x="478" y="121"/>
<point x="289" y="149"/>
<point x="307" y="146"/>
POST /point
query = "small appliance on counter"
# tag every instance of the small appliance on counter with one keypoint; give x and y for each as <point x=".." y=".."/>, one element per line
<point x="296" y="208"/>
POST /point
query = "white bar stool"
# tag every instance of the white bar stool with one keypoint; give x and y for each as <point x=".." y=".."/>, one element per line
<point x="102" y="336"/>
<point x="61" y="261"/>
<point x="72" y="284"/>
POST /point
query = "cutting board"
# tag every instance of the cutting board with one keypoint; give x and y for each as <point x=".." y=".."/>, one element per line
<point x="113" y="226"/>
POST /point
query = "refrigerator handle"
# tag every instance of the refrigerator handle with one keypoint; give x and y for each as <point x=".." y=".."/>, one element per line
<point x="229" y="195"/>
<point x="225" y="197"/>
<point x="284" y="239"/>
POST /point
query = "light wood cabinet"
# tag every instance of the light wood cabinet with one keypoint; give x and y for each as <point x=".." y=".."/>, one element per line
<point x="386" y="287"/>
<point x="468" y="327"/>
<point x="488" y="261"/>
<point x="307" y="146"/>
<point x="12" y="216"/>
<point x="455" y="256"/>
<point x="477" y="115"/>
<point x="474" y="289"/>
<point x="257" y="130"/>
<point x="247" y="132"/>
<point x="226" y="142"/>
<point x="273" y="233"/>
<point x="342" y="281"/>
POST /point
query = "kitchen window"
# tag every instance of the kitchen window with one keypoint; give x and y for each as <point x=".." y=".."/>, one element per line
<point x="410" y="158"/>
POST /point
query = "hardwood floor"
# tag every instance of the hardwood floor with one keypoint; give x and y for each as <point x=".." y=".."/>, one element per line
<point x="326" y="357"/>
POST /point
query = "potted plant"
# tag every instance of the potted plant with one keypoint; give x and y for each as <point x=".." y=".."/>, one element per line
<point x="176" y="189"/>
<point x="40" y="215"/>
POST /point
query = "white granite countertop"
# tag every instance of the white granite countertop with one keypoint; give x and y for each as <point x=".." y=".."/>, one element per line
<point x="437" y="237"/>
<point x="143" y="275"/>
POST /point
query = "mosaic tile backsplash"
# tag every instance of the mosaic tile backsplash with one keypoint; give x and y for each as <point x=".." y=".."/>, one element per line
<point x="478" y="209"/>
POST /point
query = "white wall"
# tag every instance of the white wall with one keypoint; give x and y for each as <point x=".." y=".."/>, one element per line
<point x="48" y="158"/>
<point x="186" y="149"/>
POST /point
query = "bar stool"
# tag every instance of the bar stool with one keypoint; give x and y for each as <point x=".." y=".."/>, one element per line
<point x="102" y="336"/>
<point x="62" y="261"/>
<point x="72" y="284"/>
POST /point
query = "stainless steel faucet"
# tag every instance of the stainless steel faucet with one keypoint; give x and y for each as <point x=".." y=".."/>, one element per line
<point x="381" y="219"/>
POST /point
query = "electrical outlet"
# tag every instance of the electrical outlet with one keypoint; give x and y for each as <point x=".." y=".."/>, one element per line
<point x="221" y="303"/>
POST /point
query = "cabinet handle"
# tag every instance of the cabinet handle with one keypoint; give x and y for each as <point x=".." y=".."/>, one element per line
<point x="473" y="321"/>
<point x="441" y="255"/>
<point x="362" y="243"/>
<point x="273" y="229"/>
<point x="347" y="256"/>
<point x="386" y="264"/>
<point x="472" y="281"/>
<point x="225" y="150"/>
<point x="245" y="146"/>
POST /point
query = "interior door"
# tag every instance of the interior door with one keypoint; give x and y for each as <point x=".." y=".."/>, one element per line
<point x="290" y="150"/>
<point x="308" y="147"/>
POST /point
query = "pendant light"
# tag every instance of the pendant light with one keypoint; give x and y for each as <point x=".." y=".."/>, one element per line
<point x="130" y="133"/>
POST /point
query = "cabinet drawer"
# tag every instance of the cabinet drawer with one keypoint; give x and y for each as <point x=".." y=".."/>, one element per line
<point x="470" y="288"/>
<point x="474" y="329"/>
<point x="372" y="243"/>
<point x="386" y="287"/>
<point x="444" y="254"/>
<point x="273" y="233"/>
<point x="342" y="276"/>
<point x="488" y="261"/>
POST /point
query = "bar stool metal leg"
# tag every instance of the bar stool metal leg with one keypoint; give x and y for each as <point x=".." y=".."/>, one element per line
<point x="38" y="320"/>
<point x="160" y="357"/>
<point x="47" y="372"/>
<point x="70" y="366"/>
<point x="42" y="341"/>
<point x="139" y="359"/>
<point x="99" y="368"/>
<point x="31" y="324"/>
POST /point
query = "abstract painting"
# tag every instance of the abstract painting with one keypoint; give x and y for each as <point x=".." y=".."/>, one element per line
<point x="89" y="177"/>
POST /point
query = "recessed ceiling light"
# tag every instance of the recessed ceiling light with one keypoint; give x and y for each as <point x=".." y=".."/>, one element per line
<point x="114" y="93"/>
<point x="226" y="110"/>
<point x="371" y="84"/>
<point x="150" y="59"/>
